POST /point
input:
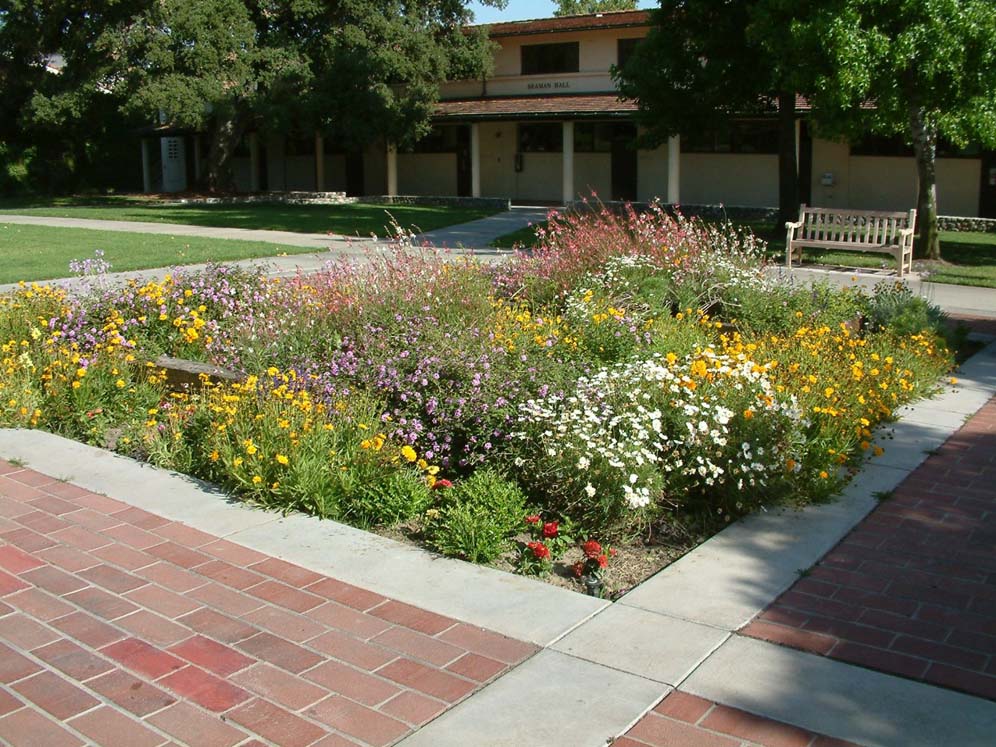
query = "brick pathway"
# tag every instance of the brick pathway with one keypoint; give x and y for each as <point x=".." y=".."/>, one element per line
<point x="912" y="590"/>
<point x="120" y="627"/>
<point x="684" y="720"/>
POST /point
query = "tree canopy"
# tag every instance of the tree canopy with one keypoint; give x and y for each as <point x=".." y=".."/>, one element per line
<point x="917" y="69"/>
<point x="583" y="7"/>
<point x="705" y="62"/>
<point x="358" y="70"/>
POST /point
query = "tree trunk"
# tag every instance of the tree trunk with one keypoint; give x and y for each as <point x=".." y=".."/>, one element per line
<point x="924" y="133"/>
<point x="788" y="162"/>
<point x="225" y="137"/>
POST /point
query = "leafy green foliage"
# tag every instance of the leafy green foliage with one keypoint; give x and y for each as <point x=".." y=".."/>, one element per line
<point x="476" y="517"/>
<point x="584" y="7"/>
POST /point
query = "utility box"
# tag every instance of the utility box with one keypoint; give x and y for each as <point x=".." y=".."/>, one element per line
<point x="174" y="158"/>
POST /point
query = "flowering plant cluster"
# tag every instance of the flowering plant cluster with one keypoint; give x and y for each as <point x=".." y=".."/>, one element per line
<point x="635" y="368"/>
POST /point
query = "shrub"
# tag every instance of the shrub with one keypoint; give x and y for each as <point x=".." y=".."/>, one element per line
<point x="476" y="517"/>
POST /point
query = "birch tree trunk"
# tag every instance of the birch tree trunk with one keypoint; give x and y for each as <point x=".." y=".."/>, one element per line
<point x="225" y="137"/>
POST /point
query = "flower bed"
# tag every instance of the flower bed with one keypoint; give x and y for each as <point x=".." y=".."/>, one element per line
<point x="637" y="377"/>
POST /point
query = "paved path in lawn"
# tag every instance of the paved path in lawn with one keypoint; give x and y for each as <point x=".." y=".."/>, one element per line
<point x="473" y="237"/>
<point x="119" y="627"/>
<point x="912" y="590"/>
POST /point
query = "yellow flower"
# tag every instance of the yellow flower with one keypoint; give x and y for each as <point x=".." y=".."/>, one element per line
<point x="281" y="459"/>
<point x="878" y="450"/>
<point x="237" y="461"/>
<point x="408" y="453"/>
<point x="823" y="475"/>
<point x="748" y="414"/>
<point x="214" y="455"/>
<point x="256" y="480"/>
<point x="120" y="384"/>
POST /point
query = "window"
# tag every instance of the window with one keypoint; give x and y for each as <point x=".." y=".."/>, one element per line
<point x="549" y="59"/>
<point x="597" y="137"/>
<point x="542" y="137"/>
<point x="442" y="139"/>
<point x="876" y="145"/>
<point x="624" y="49"/>
<point x="746" y="137"/>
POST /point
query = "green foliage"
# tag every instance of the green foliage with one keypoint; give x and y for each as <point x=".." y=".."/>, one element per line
<point x="475" y="518"/>
<point x="783" y="308"/>
<point x="893" y="307"/>
<point x="584" y="7"/>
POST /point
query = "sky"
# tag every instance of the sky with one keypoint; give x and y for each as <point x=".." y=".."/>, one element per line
<point x="519" y="10"/>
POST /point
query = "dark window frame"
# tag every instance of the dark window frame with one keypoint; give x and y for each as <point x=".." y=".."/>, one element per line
<point x="540" y="137"/>
<point x="598" y="136"/>
<point x="553" y="58"/>
<point x="441" y="139"/>
<point x="625" y="48"/>
<point x="752" y="137"/>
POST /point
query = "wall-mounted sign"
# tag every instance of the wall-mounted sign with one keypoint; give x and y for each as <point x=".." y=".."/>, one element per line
<point x="542" y="85"/>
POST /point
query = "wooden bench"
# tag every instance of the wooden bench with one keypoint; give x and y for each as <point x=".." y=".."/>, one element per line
<point x="853" y="231"/>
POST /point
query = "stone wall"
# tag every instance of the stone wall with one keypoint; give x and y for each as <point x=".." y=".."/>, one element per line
<point x="340" y="198"/>
<point x="958" y="223"/>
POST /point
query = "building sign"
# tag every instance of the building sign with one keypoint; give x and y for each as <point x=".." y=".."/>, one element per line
<point x="543" y="85"/>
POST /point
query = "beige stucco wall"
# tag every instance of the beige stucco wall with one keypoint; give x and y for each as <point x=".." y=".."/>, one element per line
<point x="651" y="174"/>
<point x="593" y="172"/>
<point x="335" y="173"/>
<point x="427" y="174"/>
<point x="730" y="179"/>
<point x="890" y="183"/>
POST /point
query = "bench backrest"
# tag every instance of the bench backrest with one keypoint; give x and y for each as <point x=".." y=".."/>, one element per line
<point x="871" y="227"/>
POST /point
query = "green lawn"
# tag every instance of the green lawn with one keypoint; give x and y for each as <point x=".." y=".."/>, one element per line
<point x="356" y="219"/>
<point x="525" y="236"/>
<point x="43" y="252"/>
<point x="968" y="258"/>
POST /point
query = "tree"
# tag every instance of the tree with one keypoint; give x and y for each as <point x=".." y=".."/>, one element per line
<point x="360" y="70"/>
<point x="927" y="67"/>
<point x="706" y="62"/>
<point x="584" y="7"/>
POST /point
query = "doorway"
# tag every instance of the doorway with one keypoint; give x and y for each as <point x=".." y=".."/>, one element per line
<point x="624" y="162"/>
<point x="464" y="176"/>
<point x="354" y="174"/>
<point x="987" y="189"/>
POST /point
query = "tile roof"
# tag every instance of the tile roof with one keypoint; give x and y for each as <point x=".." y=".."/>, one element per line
<point x="552" y="106"/>
<point x="611" y="19"/>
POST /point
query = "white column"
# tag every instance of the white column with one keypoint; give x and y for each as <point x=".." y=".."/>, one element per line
<point x="568" y="183"/>
<point x="146" y="166"/>
<point x="319" y="162"/>
<point x="475" y="160"/>
<point x="674" y="169"/>
<point x="392" y="169"/>
<point x="253" y="162"/>
<point x="197" y="157"/>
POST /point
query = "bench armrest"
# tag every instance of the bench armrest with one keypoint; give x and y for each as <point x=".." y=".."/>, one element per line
<point x="796" y="224"/>
<point x="907" y="231"/>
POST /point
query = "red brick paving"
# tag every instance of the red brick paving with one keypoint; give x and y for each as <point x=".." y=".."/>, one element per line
<point x="912" y="590"/>
<point x="118" y="624"/>
<point x="684" y="720"/>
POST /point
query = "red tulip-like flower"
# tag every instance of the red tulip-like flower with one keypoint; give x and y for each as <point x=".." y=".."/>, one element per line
<point x="533" y="519"/>
<point x="602" y="561"/>
<point x="578" y="569"/>
<point x="550" y="529"/>
<point x="440" y="484"/>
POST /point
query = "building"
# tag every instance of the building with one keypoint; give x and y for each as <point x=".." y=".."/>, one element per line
<point x="547" y="127"/>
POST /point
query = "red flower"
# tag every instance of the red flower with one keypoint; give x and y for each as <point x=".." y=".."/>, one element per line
<point x="550" y="529"/>
<point x="578" y="569"/>
<point x="613" y="552"/>
<point x="440" y="484"/>
<point x="591" y="549"/>
<point x="540" y="551"/>
<point x="602" y="561"/>
<point x="533" y="519"/>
